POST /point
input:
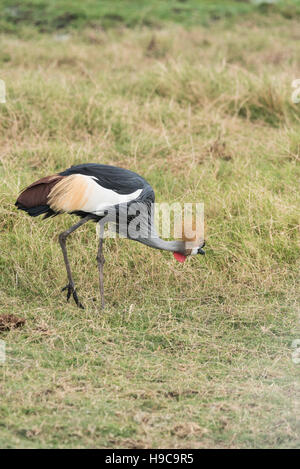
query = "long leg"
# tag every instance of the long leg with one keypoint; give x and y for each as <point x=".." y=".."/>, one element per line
<point x="62" y="241"/>
<point x="100" y="261"/>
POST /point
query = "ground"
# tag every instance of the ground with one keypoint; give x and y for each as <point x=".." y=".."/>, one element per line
<point x="197" y="355"/>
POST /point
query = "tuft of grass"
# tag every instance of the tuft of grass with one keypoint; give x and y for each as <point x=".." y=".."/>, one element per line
<point x="185" y="356"/>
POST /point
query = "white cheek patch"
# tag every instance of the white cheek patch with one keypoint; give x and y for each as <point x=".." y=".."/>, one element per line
<point x="195" y="251"/>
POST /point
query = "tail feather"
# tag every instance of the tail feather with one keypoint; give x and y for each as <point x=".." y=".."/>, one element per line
<point x="34" y="211"/>
<point x="34" y="199"/>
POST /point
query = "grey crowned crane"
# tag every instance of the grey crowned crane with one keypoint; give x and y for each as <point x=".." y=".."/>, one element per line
<point x="100" y="193"/>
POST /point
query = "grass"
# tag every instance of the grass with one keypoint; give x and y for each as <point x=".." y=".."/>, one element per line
<point x="184" y="356"/>
<point x="45" y="16"/>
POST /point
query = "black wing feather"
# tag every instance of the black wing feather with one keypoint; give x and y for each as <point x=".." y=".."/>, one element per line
<point x="120" y="180"/>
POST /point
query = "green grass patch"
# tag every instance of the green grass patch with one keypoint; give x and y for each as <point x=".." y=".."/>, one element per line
<point x="56" y="15"/>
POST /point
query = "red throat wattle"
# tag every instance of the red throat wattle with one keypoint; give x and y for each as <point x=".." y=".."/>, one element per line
<point x="179" y="257"/>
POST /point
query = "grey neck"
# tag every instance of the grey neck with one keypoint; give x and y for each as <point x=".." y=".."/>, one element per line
<point x="154" y="241"/>
<point x="158" y="243"/>
<point x="147" y="234"/>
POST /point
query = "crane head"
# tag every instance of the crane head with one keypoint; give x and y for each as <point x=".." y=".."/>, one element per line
<point x="193" y="242"/>
<point x="189" y="252"/>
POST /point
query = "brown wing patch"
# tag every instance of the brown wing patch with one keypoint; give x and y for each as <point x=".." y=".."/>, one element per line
<point x="37" y="193"/>
<point x="69" y="194"/>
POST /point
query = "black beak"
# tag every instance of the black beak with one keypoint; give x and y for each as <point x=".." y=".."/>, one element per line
<point x="200" y="250"/>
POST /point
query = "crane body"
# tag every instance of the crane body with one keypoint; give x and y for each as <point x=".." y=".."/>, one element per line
<point x="100" y="193"/>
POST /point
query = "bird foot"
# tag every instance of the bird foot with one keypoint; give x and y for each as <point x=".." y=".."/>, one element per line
<point x="71" y="289"/>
